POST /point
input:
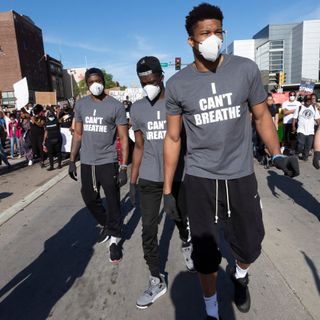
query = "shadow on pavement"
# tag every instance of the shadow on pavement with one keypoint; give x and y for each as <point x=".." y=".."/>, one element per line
<point x="295" y="190"/>
<point x="132" y="223"/>
<point x="313" y="269"/>
<point x="4" y="195"/>
<point x="164" y="242"/>
<point x="33" y="292"/>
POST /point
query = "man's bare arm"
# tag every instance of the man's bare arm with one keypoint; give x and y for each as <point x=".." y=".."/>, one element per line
<point x="76" y="140"/>
<point x="124" y="142"/>
<point x="171" y="150"/>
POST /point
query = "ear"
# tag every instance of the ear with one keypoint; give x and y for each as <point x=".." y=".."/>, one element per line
<point x="191" y="42"/>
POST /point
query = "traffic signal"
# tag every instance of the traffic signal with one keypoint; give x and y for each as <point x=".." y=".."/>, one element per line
<point x="278" y="78"/>
<point x="283" y="78"/>
<point x="178" y="63"/>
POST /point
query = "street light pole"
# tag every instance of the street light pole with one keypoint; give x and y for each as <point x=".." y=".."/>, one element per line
<point x="71" y="82"/>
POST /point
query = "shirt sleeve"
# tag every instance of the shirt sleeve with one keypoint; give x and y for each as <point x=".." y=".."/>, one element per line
<point x="172" y="105"/>
<point x="257" y="93"/>
<point x="296" y="113"/>
<point x="121" y="118"/>
<point x="133" y="119"/>
<point x="77" y="113"/>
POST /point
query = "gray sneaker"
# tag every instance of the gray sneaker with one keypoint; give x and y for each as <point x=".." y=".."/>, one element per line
<point x="156" y="289"/>
<point x="186" y="252"/>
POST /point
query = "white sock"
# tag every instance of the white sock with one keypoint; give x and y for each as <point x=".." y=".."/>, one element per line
<point x="211" y="305"/>
<point x="113" y="240"/>
<point x="240" y="273"/>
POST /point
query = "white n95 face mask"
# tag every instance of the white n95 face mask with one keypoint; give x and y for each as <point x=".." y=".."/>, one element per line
<point x="151" y="91"/>
<point x="210" y="48"/>
<point x="96" y="88"/>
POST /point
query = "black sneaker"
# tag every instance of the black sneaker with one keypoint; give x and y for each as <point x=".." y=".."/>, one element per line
<point x="241" y="292"/>
<point x="115" y="253"/>
<point x="50" y="169"/>
<point x="103" y="237"/>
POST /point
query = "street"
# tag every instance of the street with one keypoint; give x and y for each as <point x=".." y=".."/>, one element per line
<point x="52" y="267"/>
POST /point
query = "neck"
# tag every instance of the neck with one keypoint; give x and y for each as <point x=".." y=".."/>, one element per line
<point x="98" y="98"/>
<point x="203" y="65"/>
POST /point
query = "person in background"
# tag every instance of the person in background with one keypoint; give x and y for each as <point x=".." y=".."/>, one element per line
<point x="3" y="156"/>
<point x="273" y="109"/>
<point x="3" y="129"/>
<point x="37" y="132"/>
<point x="316" y="152"/>
<point x="288" y="109"/>
<point x="52" y="138"/>
<point x="25" y="122"/>
<point x="303" y="123"/>
<point x="15" y="134"/>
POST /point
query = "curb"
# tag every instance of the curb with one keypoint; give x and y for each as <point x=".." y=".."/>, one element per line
<point x="13" y="210"/>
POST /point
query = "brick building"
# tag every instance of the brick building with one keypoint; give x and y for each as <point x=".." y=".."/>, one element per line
<point x="22" y="55"/>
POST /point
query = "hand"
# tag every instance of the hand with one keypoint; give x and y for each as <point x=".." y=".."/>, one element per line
<point x="132" y="193"/>
<point x="289" y="165"/>
<point x="73" y="170"/>
<point x="122" y="178"/>
<point x="316" y="159"/>
<point x="170" y="207"/>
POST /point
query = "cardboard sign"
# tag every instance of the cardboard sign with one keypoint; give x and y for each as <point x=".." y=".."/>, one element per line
<point x="307" y="86"/>
<point x="46" y="98"/>
<point x="21" y="93"/>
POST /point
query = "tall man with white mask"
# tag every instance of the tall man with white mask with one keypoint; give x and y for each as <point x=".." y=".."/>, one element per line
<point x="98" y="119"/>
<point x="148" y="119"/>
<point x="214" y="96"/>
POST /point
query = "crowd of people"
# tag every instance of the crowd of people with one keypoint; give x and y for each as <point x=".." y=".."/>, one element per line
<point x="296" y="120"/>
<point x="33" y="132"/>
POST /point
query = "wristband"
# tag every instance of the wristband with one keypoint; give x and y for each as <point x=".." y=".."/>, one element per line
<point x="278" y="156"/>
<point x="123" y="166"/>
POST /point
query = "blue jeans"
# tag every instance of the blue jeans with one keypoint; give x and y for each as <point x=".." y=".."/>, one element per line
<point x="3" y="155"/>
<point x="14" y="140"/>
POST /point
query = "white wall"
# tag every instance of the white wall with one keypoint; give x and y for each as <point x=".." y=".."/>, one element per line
<point x="310" y="49"/>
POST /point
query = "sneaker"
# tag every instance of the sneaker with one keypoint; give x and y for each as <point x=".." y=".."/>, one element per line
<point x="241" y="292"/>
<point x="103" y="237"/>
<point x="50" y="169"/>
<point x="115" y="253"/>
<point x="186" y="252"/>
<point x="42" y="164"/>
<point x="30" y="163"/>
<point x="156" y="289"/>
<point x="19" y="156"/>
<point x="59" y="166"/>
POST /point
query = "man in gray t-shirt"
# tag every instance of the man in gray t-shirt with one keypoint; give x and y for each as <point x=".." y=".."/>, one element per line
<point x="214" y="97"/>
<point x="99" y="118"/>
<point x="148" y="119"/>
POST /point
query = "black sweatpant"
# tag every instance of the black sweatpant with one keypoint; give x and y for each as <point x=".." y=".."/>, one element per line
<point x="304" y="143"/>
<point x="105" y="176"/>
<point x="36" y="142"/>
<point x="54" y="148"/>
<point x="208" y="201"/>
<point x="150" y="201"/>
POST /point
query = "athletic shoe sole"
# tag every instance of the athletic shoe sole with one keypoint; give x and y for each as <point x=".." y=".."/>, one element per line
<point x="154" y="299"/>
<point x="115" y="261"/>
<point x="105" y="239"/>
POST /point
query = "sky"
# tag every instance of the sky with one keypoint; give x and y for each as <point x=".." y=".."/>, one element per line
<point x="114" y="35"/>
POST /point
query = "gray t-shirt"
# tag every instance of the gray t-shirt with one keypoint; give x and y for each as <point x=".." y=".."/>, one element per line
<point x="100" y="120"/>
<point x="151" y="121"/>
<point x="215" y="111"/>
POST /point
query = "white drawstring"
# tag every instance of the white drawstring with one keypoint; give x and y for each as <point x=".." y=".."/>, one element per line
<point x="93" y="171"/>
<point x="228" y="203"/>
<point x="216" y="216"/>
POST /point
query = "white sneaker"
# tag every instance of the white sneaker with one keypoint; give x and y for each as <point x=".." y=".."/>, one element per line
<point x="30" y="163"/>
<point x="186" y="252"/>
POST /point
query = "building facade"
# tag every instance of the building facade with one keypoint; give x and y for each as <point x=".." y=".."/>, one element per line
<point x="292" y="49"/>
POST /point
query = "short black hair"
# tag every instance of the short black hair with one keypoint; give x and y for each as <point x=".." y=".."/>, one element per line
<point x="202" y="12"/>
